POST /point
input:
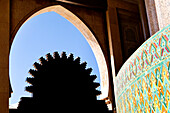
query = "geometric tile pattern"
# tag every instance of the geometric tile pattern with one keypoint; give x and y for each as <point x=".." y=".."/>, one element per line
<point x="143" y="83"/>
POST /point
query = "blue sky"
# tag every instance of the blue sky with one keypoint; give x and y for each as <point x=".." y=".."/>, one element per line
<point x="45" y="33"/>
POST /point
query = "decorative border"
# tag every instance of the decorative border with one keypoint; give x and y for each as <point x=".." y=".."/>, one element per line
<point x="149" y="56"/>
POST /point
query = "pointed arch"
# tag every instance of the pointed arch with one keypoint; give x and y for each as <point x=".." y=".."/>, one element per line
<point x="79" y="24"/>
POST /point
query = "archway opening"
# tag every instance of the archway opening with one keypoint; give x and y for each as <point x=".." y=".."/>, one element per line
<point x="77" y="25"/>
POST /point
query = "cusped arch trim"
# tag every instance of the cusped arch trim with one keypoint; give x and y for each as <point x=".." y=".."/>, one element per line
<point x="90" y="39"/>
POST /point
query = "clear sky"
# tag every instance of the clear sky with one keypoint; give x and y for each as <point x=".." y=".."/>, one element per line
<point x="45" y="33"/>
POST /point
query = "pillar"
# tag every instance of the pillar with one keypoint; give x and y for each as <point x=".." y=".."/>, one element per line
<point x="158" y="13"/>
<point x="4" y="55"/>
<point x="152" y="16"/>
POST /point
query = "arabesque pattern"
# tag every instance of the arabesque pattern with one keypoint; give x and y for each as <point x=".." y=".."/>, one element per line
<point x="143" y="83"/>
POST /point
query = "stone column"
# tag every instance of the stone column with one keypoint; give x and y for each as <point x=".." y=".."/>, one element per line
<point x="152" y="16"/>
<point x="163" y="12"/>
<point x="114" y="35"/>
<point x="4" y="55"/>
<point x="158" y="13"/>
<point x="114" y="47"/>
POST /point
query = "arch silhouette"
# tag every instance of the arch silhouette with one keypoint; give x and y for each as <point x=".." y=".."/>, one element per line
<point x="79" y="24"/>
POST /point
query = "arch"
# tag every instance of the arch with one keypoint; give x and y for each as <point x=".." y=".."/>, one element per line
<point x="88" y="36"/>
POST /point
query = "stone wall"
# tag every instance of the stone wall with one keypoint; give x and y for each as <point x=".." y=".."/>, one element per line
<point x="163" y="12"/>
<point x="158" y="13"/>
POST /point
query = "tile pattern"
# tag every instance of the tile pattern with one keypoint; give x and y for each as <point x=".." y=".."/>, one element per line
<point x="143" y="83"/>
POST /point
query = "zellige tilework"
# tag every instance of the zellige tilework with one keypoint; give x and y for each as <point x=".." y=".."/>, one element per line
<point x="143" y="83"/>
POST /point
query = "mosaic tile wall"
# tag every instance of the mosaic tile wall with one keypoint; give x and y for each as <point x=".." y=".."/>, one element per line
<point x="143" y="83"/>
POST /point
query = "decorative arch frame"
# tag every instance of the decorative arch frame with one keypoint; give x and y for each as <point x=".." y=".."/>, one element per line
<point x="89" y="36"/>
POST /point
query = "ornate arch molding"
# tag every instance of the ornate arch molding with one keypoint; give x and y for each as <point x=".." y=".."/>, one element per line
<point x="88" y="36"/>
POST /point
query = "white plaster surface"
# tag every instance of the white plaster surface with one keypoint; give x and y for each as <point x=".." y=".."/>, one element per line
<point x="163" y="12"/>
